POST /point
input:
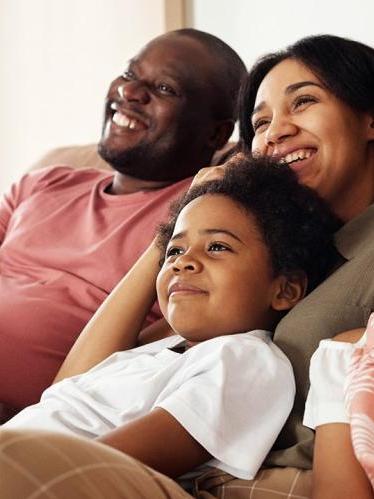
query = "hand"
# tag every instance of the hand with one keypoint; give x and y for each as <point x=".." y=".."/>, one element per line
<point x="208" y="173"/>
<point x="215" y="172"/>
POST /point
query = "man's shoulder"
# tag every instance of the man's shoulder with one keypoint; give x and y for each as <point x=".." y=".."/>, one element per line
<point x="65" y="175"/>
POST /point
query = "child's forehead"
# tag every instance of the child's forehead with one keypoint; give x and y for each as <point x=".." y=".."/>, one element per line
<point x="216" y="211"/>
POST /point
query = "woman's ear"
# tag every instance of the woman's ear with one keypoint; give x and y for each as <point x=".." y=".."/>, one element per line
<point x="289" y="290"/>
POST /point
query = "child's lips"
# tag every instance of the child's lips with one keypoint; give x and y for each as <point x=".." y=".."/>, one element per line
<point x="177" y="288"/>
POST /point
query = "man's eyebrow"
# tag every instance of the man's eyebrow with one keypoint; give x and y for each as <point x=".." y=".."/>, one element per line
<point x="165" y="73"/>
<point x="182" y="234"/>
<point x="289" y="90"/>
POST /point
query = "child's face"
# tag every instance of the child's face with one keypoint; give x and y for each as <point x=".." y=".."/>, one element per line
<point x="216" y="278"/>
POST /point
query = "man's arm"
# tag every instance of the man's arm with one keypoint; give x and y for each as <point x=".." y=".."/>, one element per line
<point x="159" y="441"/>
<point x="336" y="472"/>
<point x="117" y="323"/>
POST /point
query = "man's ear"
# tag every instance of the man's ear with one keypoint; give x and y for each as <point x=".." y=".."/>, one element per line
<point x="221" y="133"/>
<point x="289" y="290"/>
<point x="370" y="126"/>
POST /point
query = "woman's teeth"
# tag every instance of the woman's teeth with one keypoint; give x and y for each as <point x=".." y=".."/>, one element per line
<point x="297" y="156"/>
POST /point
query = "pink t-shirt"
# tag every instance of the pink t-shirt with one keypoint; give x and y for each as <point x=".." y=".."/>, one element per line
<point x="65" y="244"/>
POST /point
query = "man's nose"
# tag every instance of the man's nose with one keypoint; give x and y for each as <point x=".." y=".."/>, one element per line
<point x="134" y="91"/>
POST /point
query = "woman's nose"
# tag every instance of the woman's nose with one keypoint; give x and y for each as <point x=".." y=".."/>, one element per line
<point x="279" y="130"/>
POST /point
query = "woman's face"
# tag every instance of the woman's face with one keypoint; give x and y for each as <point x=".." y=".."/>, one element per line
<point x="298" y="121"/>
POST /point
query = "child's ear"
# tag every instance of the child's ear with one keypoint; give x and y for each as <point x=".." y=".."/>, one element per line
<point x="289" y="290"/>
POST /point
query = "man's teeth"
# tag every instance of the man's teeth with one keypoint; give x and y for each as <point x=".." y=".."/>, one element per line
<point x="297" y="156"/>
<point x="125" y="122"/>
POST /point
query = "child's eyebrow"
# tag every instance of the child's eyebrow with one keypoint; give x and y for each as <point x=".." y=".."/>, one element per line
<point x="182" y="234"/>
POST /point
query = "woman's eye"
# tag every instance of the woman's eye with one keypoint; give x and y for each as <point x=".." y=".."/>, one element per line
<point x="174" y="251"/>
<point x="218" y="247"/>
<point x="260" y="124"/>
<point x="303" y="100"/>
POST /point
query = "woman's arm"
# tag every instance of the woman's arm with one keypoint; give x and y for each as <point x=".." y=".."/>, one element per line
<point x="336" y="472"/>
<point x="116" y="324"/>
<point x="159" y="441"/>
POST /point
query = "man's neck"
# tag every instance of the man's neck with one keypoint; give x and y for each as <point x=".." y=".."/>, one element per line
<point x="125" y="184"/>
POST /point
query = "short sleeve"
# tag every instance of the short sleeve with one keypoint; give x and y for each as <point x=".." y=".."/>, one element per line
<point x="24" y="188"/>
<point x="328" y="370"/>
<point x="236" y="394"/>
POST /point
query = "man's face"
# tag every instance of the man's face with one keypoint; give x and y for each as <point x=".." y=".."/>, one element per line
<point x="158" y="114"/>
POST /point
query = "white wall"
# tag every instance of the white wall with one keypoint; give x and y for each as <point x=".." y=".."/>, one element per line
<point x="57" y="58"/>
<point x="255" y="27"/>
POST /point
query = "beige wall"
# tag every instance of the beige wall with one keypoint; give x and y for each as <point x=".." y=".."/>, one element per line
<point x="57" y="58"/>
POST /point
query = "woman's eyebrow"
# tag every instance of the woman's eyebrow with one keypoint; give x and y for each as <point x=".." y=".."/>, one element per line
<point x="300" y="84"/>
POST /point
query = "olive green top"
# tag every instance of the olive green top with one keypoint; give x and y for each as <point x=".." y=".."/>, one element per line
<point x="343" y="301"/>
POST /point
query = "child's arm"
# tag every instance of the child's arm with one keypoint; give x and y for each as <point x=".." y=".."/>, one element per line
<point x="116" y="324"/>
<point x="164" y="444"/>
<point x="336" y="472"/>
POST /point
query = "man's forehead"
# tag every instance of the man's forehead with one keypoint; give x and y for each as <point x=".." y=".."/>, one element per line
<point x="181" y="58"/>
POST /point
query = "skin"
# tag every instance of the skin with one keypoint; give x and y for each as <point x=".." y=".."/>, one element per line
<point x="213" y="261"/>
<point x="169" y="90"/>
<point x="293" y="111"/>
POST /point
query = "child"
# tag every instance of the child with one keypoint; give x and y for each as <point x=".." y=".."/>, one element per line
<point x="238" y="253"/>
<point x="340" y="406"/>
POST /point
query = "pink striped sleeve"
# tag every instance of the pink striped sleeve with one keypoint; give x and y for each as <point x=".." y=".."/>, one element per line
<point x="360" y="401"/>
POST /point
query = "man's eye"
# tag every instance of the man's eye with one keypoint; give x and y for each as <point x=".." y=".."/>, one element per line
<point x="174" y="251"/>
<point x="218" y="247"/>
<point x="165" y="89"/>
<point x="128" y="75"/>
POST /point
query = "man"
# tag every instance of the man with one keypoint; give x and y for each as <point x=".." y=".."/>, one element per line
<point x="67" y="236"/>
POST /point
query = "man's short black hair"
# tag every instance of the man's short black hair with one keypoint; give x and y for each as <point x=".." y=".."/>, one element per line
<point x="230" y="69"/>
<point x="296" y="225"/>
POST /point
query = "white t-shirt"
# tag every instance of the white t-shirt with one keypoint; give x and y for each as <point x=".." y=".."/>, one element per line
<point x="231" y="393"/>
<point x="328" y="373"/>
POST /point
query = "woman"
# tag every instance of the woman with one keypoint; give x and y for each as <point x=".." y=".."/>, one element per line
<point x="312" y="107"/>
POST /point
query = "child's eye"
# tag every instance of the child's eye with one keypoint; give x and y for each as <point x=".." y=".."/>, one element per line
<point x="303" y="101"/>
<point x="174" y="251"/>
<point x="218" y="247"/>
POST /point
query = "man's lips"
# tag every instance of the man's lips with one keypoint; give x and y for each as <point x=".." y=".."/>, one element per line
<point x="127" y="119"/>
<point x="183" y="288"/>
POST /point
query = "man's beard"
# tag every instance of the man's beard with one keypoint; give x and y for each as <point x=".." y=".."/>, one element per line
<point x="145" y="161"/>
